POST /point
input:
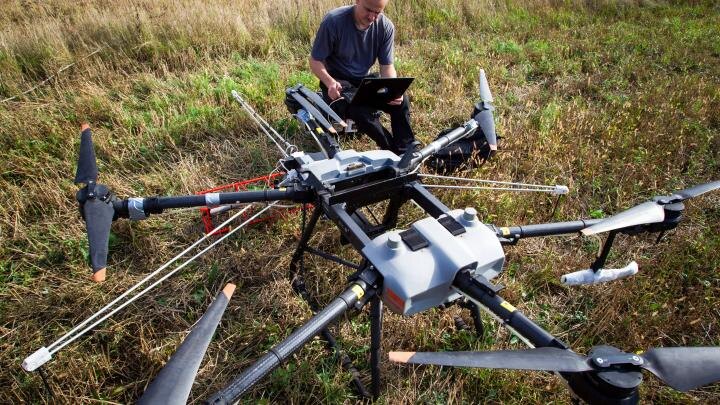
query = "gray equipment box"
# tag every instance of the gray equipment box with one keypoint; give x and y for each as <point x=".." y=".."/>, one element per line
<point x="414" y="281"/>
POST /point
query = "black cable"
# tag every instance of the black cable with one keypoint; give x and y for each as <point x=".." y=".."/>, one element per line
<point x="44" y="377"/>
<point x="555" y="207"/>
<point x="460" y="324"/>
<point x="302" y="231"/>
<point x="372" y="214"/>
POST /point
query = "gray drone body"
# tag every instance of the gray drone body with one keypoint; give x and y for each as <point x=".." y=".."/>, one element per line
<point x="323" y="172"/>
<point x="416" y="276"/>
<point x="416" y="280"/>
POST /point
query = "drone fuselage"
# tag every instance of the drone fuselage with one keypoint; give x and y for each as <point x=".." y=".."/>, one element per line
<point x="418" y="265"/>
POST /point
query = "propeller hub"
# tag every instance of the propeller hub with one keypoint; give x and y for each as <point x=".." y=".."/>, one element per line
<point x="618" y="369"/>
<point x="615" y="380"/>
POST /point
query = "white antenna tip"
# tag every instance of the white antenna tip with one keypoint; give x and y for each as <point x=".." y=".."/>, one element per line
<point x="37" y="359"/>
<point x="559" y="190"/>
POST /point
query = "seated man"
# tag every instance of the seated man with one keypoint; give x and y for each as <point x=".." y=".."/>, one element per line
<point x="349" y="41"/>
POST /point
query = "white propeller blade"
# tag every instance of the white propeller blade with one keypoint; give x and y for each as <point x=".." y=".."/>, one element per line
<point x="646" y="213"/>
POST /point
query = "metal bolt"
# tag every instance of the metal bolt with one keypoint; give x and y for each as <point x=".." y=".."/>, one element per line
<point x="394" y="240"/>
<point x="600" y="360"/>
<point x="470" y="214"/>
<point x="636" y="358"/>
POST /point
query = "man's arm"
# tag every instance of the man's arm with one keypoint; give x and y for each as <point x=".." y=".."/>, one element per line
<point x="389" y="71"/>
<point x="318" y="68"/>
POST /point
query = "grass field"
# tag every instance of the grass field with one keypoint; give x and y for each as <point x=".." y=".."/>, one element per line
<point x="618" y="100"/>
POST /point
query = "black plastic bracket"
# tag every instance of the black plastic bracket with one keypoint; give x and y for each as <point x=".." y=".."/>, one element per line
<point x="615" y="359"/>
<point x="487" y="286"/>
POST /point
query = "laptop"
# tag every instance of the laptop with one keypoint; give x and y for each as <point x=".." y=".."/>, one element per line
<point x="378" y="91"/>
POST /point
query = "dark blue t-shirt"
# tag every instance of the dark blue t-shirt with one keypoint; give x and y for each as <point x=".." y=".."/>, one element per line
<point x="349" y="53"/>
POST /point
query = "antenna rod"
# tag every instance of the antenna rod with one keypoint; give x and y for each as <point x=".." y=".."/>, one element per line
<point x="453" y="136"/>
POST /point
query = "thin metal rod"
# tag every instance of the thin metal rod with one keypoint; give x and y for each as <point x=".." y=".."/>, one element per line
<point x="331" y="257"/>
<point x="266" y="128"/>
<point x="495" y="185"/>
<point x="538" y="190"/>
<point x="436" y="176"/>
<point x="143" y="281"/>
<point x="151" y="286"/>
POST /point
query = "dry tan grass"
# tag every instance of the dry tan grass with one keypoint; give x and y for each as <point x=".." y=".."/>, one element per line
<point x="618" y="100"/>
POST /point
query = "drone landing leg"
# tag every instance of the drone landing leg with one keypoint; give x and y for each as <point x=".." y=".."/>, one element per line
<point x="391" y="213"/>
<point x="297" y="280"/>
<point x="555" y="206"/>
<point x="507" y="314"/>
<point x="602" y="257"/>
<point x="307" y="231"/>
<point x="346" y="363"/>
<point x="376" y="318"/>
<point x="475" y="313"/>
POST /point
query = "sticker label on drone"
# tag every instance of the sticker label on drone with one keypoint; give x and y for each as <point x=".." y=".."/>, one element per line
<point x="508" y="306"/>
<point x="394" y="301"/>
<point x="505" y="231"/>
<point x="358" y="291"/>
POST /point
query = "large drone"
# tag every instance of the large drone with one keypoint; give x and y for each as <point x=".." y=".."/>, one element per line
<point x="448" y="257"/>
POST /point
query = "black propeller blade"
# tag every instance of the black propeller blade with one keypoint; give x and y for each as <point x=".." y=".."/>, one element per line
<point x="483" y="113"/>
<point x="87" y="171"/>
<point x="96" y="205"/>
<point x="174" y="382"/>
<point x="98" y="213"/>
<point x="313" y="111"/>
<point x="649" y="212"/>
<point x="696" y="191"/>
<point x="682" y="368"/>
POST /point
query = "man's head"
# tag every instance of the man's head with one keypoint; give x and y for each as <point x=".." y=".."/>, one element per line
<point x="367" y="11"/>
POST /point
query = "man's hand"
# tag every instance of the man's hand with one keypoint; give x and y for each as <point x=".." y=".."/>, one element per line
<point x="334" y="90"/>
<point x="334" y="87"/>
<point x="397" y="101"/>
